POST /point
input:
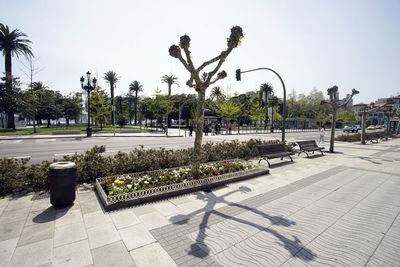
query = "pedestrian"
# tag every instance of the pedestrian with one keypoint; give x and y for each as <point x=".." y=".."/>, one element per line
<point x="212" y="129"/>
<point x="162" y="127"/>
<point x="230" y="128"/>
<point x="322" y="134"/>
<point x="205" y="129"/>
<point x="190" y="130"/>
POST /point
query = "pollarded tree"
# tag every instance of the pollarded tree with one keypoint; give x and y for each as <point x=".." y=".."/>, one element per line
<point x="12" y="44"/>
<point x="201" y="82"/>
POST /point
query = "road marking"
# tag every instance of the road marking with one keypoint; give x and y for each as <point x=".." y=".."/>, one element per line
<point x="20" y="157"/>
<point x="65" y="154"/>
<point x="45" y="140"/>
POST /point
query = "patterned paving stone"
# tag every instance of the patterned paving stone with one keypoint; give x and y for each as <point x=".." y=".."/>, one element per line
<point x="333" y="218"/>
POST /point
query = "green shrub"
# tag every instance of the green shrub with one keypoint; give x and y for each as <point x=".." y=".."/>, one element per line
<point x="16" y="176"/>
<point x="349" y="137"/>
<point x="357" y="137"/>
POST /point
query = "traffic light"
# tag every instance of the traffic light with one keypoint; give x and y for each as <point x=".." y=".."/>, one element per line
<point x="238" y="75"/>
<point x="280" y="108"/>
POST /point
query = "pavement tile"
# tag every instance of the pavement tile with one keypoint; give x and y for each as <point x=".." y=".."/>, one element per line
<point x="124" y="218"/>
<point x="96" y="218"/>
<point x="68" y="216"/>
<point x="74" y="254"/>
<point x="41" y="216"/>
<point x="153" y="220"/>
<point x="102" y="235"/>
<point x="166" y="208"/>
<point x="90" y="206"/>
<point x="21" y="202"/>
<point x="179" y="200"/>
<point x="36" y="232"/>
<point x="41" y="204"/>
<point x="144" y="256"/>
<point x="114" y="254"/>
<point x="11" y="230"/>
<point x="7" y="248"/>
<point x="9" y="216"/>
<point x="136" y="236"/>
<point x="34" y="254"/>
<point x="144" y="209"/>
<point x="69" y="233"/>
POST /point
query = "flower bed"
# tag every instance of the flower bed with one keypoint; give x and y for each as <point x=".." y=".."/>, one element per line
<point x="129" y="189"/>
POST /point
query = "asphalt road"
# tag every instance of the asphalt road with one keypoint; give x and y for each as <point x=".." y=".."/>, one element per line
<point x="55" y="148"/>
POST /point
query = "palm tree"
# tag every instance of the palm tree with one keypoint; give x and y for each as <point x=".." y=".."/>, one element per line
<point x="216" y="92"/>
<point x="135" y="87"/>
<point x="170" y="80"/>
<point x="12" y="44"/>
<point x="266" y="90"/>
<point x="112" y="78"/>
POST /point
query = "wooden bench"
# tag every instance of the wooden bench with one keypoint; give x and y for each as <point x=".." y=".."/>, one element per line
<point x="56" y="132"/>
<point x="309" y="146"/>
<point x="272" y="151"/>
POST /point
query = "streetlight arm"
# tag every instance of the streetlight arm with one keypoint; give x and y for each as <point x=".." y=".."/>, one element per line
<point x="284" y="97"/>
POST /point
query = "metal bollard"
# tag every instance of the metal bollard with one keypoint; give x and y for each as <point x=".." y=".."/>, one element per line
<point x="62" y="177"/>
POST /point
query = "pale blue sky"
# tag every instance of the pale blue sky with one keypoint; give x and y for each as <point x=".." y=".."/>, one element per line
<point x="312" y="44"/>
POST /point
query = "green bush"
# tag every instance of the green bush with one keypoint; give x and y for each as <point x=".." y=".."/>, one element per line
<point x="18" y="177"/>
<point x="357" y="137"/>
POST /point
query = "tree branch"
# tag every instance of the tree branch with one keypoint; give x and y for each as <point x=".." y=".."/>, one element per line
<point x="216" y="79"/>
<point x="210" y="61"/>
<point x="189" y="60"/>
<point x="222" y="59"/>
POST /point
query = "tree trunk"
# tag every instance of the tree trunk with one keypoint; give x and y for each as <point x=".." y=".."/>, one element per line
<point x="34" y="121"/>
<point x="48" y="123"/>
<point x="333" y="128"/>
<point x="166" y="115"/>
<point x="8" y="67"/>
<point x="363" y="126"/>
<point x="67" y="122"/>
<point x="199" y="132"/>
<point x="112" y="104"/>
<point x="136" y="108"/>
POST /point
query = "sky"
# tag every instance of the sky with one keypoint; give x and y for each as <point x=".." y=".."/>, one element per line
<point x="310" y="43"/>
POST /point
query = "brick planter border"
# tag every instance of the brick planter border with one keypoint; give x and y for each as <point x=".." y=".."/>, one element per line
<point x="161" y="192"/>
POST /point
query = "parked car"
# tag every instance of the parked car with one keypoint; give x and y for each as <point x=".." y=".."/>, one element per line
<point x="350" y="128"/>
<point x="379" y="127"/>
<point x="358" y="127"/>
<point x="371" y="127"/>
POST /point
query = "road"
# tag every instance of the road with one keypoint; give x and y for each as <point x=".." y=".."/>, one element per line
<point x="55" y="148"/>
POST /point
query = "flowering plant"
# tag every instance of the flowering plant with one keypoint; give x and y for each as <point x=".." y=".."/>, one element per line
<point x="130" y="183"/>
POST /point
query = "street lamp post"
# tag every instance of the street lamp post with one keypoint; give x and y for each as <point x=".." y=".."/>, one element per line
<point x="238" y="78"/>
<point x="90" y="86"/>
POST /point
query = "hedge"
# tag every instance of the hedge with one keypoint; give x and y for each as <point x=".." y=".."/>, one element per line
<point x="16" y="176"/>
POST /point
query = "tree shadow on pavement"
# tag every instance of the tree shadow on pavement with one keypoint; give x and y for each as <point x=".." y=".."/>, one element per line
<point x="200" y="249"/>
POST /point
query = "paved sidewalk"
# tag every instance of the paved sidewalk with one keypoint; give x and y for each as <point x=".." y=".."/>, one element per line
<point x="341" y="209"/>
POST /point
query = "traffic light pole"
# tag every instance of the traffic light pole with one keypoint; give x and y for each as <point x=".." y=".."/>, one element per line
<point x="284" y="96"/>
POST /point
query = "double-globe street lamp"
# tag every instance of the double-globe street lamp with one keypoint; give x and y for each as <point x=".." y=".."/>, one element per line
<point x="90" y="86"/>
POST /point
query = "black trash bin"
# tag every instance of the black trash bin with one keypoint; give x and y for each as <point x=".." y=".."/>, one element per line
<point x="62" y="177"/>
